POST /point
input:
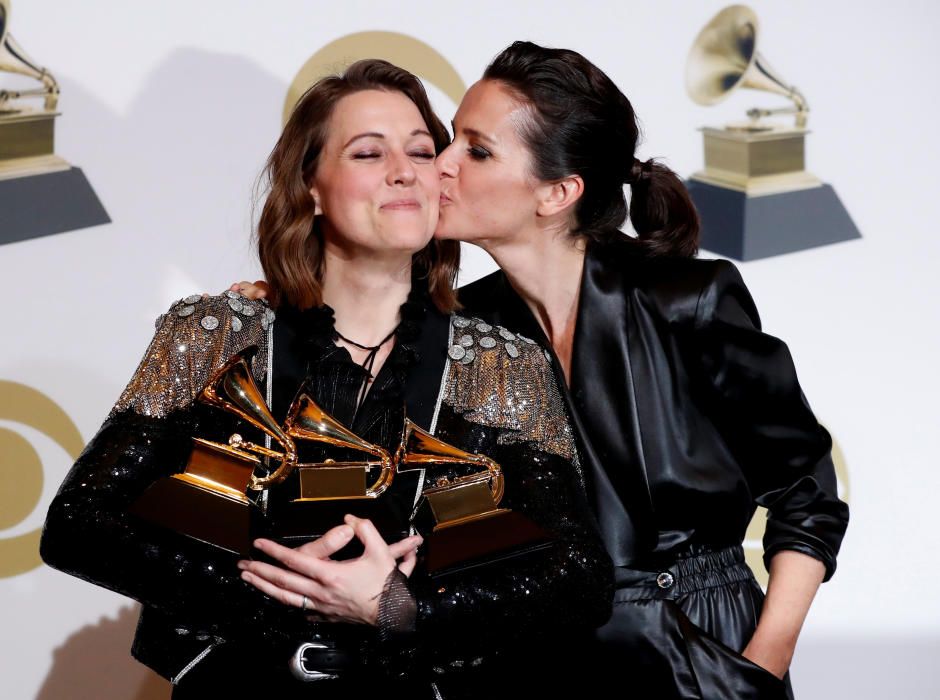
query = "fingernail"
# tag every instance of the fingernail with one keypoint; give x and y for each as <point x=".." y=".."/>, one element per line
<point x="260" y="544"/>
<point x="246" y="576"/>
<point x="242" y="564"/>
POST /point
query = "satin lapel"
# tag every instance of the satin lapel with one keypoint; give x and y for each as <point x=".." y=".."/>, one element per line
<point x="424" y="377"/>
<point x="604" y="395"/>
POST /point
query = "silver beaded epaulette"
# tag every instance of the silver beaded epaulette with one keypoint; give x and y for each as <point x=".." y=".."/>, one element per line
<point x="503" y="380"/>
<point x="193" y="339"/>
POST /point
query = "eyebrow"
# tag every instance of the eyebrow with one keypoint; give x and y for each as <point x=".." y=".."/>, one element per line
<point x="473" y="132"/>
<point x="378" y="135"/>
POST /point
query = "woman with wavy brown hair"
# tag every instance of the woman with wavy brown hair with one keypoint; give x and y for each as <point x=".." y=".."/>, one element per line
<point x="360" y="320"/>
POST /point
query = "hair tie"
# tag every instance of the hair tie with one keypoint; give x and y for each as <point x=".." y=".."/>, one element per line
<point x="641" y="172"/>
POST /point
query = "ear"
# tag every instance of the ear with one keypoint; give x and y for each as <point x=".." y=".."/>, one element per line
<point x="317" y="211"/>
<point x="560" y="196"/>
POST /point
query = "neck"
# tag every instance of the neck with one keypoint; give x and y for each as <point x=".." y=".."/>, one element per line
<point x="366" y="294"/>
<point x="544" y="267"/>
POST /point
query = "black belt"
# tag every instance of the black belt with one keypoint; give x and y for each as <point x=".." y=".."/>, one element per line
<point x="320" y="661"/>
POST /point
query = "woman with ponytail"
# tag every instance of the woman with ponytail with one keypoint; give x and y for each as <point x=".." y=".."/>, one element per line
<point x="687" y="415"/>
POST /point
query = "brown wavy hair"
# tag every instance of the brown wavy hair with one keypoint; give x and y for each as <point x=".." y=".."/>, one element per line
<point x="290" y="242"/>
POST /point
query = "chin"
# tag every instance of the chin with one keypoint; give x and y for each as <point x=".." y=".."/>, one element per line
<point x="447" y="232"/>
<point x="413" y="243"/>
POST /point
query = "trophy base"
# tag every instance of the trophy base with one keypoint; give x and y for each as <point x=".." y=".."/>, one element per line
<point x="205" y="514"/>
<point x="25" y="135"/>
<point x="491" y="537"/>
<point x="328" y="483"/>
<point x="756" y="159"/>
<point x="747" y="227"/>
<point x="40" y="205"/>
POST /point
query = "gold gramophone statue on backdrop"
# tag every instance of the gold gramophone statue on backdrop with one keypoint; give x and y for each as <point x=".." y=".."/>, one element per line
<point x="40" y="193"/>
<point x="209" y="499"/>
<point x="755" y="196"/>
<point x="460" y="518"/>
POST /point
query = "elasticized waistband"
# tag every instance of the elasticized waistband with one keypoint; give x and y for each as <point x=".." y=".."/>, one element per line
<point x="694" y="570"/>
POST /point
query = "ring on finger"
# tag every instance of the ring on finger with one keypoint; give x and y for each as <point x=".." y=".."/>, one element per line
<point x="304" y="603"/>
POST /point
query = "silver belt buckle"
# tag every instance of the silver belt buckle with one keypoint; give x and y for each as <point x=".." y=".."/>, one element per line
<point x="301" y="672"/>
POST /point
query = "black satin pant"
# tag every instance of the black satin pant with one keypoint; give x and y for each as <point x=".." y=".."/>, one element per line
<point x="677" y="632"/>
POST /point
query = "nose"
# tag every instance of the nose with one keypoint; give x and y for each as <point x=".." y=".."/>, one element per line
<point x="446" y="162"/>
<point x="401" y="170"/>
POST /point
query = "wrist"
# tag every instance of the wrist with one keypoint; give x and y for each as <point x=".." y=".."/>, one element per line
<point x="396" y="609"/>
<point x="772" y="654"/>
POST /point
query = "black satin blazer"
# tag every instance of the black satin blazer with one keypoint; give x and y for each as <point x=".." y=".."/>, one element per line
<point x="688" y="416"/>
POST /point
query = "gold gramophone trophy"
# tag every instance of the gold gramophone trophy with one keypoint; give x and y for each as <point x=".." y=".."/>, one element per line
<point x="209" y="500"/>
<point x="329" y="480"/>
<point x="32" y="177"/>
<point x="755" y="196"/>
<point x="459" y="517"/>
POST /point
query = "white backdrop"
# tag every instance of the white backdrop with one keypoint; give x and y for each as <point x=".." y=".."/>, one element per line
<point x="170" y="108"/>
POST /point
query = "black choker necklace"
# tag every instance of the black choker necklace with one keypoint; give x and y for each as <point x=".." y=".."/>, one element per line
<point x="373" y="350"/>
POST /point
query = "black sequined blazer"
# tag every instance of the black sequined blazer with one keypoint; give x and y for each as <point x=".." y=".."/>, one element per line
<point x="688" y="416"/>
<point x="476" y="386"/>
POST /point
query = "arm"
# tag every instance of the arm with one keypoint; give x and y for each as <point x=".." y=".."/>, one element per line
<point x="784" y="453"/>
<point x="506" y="404"/>
<point x="88" y="531"/>
<point x="566" y="587"/>
<point x="794" y="580"/>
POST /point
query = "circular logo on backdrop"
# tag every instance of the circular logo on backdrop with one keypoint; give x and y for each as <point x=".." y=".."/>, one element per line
<point x="21" y="473"/>
<point x="753" y="540"/>
<point x="404" y="51"/>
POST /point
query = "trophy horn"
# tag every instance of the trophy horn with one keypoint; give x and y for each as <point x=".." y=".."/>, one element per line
<point x="306" y="420"/>
<point x="14" y="60"/>
<point x="233" y="389"/>
<point x="419" y="448"/>
<point x="724" y="57"/>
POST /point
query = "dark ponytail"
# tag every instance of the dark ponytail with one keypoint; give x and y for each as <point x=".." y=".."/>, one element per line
<point x="661" y="211"/>
<point x="580" y="123"/>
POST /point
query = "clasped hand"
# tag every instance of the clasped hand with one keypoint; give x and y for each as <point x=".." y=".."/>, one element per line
<point x="336" y="591"/>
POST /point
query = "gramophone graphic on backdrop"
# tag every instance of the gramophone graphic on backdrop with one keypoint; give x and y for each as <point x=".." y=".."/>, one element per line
<point x="40" y="193"/>
<point x="755" y="196"/>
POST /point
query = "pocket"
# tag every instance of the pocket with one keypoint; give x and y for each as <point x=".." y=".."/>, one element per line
<point x="722" y="672"/>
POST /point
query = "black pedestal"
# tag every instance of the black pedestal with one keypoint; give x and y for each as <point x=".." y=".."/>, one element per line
<point x="41" y="205"/>
<point x="749" y="228"/>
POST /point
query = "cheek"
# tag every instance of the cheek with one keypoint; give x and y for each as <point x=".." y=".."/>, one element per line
<point x="495" y="197"/>
<point x="430" y="183"/>
<point x="343" y="187"/>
